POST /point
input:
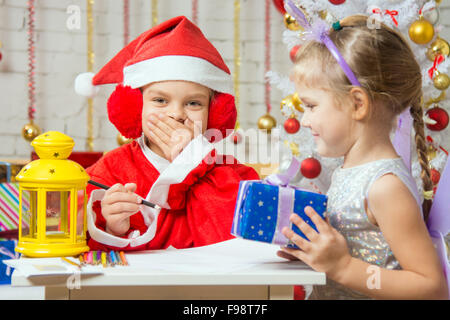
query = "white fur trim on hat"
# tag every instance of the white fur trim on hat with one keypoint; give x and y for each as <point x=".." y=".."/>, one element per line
<point x="84" y="86"/>
<point x="187" y="68"/>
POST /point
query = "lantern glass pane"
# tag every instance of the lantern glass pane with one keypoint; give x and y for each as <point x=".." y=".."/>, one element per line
<point x="57" y="213"/>
<point x="81" y="212"/>
<point x="29" y="214"/>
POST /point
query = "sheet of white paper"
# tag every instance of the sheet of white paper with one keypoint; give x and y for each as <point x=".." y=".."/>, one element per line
<point x="30" y="267"/>
<point x="223" y="257"/>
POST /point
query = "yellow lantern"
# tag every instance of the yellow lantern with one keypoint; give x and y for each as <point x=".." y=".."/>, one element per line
<point x="55" y="223"/>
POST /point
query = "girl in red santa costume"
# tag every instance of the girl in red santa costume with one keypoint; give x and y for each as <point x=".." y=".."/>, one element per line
<point x="174" y="91"/>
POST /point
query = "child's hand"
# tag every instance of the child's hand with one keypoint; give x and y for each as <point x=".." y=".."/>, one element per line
<point x="170" y="135"/>
<point x="326" y="251"/>
<point x="119" y="203"/>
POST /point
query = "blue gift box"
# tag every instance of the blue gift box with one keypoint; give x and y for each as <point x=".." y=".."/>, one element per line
<point x="6" y="252"/>
<point x="262" y="210"/>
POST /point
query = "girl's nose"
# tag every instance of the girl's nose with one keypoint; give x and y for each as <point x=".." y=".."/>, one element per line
<point x="304" y="122"/>
<point x="176" y="111"/>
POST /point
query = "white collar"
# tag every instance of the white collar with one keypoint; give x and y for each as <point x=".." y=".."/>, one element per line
<point x="157" y="161"/>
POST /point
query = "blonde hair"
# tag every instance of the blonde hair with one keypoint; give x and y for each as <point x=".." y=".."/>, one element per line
<point x="386" y="68"/>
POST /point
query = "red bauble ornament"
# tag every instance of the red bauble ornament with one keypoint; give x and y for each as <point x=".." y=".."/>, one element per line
<point x="292" y="125"/>
<point x="1" y="56"/>
<point x="293" y="52"/>
<point x="336" y="2"/>
<point x="435" y="176"/>
<point x="310" y="168"/>
<point x="440" y="116"/>
<point x="279" y="4"/>
<point x="236" y="138"/>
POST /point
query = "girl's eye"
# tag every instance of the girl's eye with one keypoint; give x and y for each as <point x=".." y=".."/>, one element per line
<point x="159" y="100"/>
<point x="194" y="104"/>
<point x="309" y="106"/>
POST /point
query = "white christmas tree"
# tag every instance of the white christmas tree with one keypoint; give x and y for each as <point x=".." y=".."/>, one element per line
<point x="433" y="51"/>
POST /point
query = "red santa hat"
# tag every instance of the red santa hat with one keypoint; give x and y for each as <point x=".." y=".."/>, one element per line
<point x="174" y="50"/>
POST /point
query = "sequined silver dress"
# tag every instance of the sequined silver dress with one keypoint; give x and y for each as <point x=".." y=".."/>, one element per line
<point x="346" y="211"/>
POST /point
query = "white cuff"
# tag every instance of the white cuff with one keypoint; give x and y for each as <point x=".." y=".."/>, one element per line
<point x="134" y="239"/>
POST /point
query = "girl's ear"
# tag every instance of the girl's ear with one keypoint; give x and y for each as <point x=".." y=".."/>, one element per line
<point x="361" y="103"/>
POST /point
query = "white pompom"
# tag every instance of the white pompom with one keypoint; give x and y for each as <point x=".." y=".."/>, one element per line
<point x="84" y="86"/>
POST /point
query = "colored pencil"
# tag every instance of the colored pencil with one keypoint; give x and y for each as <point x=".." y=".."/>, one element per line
<point x="99" y="257"/>
<point x="113" y="257"/>
<point x="71" y="262"/>
<point x="110" y="262"/>
<point x="119" y="261"/>
<point x="103" y="257"/>
<point x="124" y="260"/>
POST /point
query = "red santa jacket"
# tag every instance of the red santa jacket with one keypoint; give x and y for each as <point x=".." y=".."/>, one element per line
<point x="197" y="192"/>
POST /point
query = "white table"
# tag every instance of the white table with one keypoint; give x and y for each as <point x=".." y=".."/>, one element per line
<point x="235" y="269"/>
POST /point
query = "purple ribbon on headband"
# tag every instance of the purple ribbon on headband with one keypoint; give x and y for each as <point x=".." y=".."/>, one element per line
<point x="319" y="32"/>
<point x="286" y="198"/>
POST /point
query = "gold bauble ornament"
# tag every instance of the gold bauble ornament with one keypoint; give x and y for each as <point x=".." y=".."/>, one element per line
<point x="431" y="153"/>
<point x="121" y="140"/>
<point x="30" y="131"/>
<point x="421" y="31"/>
<point x="267" y="122"/>
<point x="297" y="102"/>
<point x="441" y="81"/>
<point x="291" y="23"/>
<point x="439" y="46"/>
<point x="292" y="102"/>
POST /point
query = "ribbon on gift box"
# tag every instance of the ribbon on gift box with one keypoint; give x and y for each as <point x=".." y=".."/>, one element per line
<point x="286" y="198"/>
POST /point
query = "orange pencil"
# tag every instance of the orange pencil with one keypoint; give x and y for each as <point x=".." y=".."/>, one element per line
<point x="124" y="260"/>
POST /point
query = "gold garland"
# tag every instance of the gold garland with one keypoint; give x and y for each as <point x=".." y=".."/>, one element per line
<point x="435" y="100"/>
<point x="154" y="12"/>
<point x="90" y="67"/>
<point x="237" y="58"/>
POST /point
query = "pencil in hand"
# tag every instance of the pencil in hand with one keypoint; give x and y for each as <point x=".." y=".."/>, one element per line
<point x="144" y="202"/>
